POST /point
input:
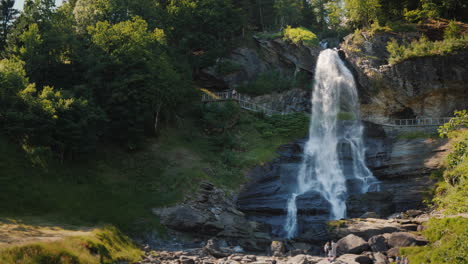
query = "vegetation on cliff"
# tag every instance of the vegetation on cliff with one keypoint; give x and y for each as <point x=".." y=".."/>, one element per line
<point x="454" y="40"/>
<point x="451" y="193"/>
<point x="448" y="236"/>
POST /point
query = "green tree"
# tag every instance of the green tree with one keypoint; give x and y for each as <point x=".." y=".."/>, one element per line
<point x="203" y="30"/>
<point x="133" y="78"/>
<point x="45" y="120"/>
<point x="45" y="39"/>
<point x="7" y="15"/>
<point x="335" y="13"/>
<point x="288" y="12"/>
<point x="362" y="13"/>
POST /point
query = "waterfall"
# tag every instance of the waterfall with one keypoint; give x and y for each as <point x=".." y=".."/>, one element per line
<point x="334" y="98"/>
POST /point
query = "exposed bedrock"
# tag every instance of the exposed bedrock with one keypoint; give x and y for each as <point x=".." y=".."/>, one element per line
<point x="212" y="214"/>
<point x="432" y="86"/>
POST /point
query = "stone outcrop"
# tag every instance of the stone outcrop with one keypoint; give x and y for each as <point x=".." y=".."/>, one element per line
<point x="432" y="86"/>
<point x="248" y="62"/>
<point x="367" y="228"/>
<point x="290" y="101"/>
<point x="404" y="239"/>
<point x="212" y="213"/>
<point x="351" y="244"/>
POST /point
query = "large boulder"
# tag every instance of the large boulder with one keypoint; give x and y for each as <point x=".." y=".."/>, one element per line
<point x="404" y="239"/>
<point x="380" y="258"/>
<point x="351" y="244"/>
<point x="212" y="213"/>
<point x="353" y="259"/>
<point x="378" y="243"/>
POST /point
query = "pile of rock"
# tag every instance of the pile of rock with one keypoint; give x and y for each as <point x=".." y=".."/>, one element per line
<point x="378" y="249"/>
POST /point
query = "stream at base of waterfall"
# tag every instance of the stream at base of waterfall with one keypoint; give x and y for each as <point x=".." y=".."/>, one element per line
<point x="323" y="170"/>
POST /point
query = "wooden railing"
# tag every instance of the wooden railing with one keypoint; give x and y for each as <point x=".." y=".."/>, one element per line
<point x="437" y="121"/>
<point x="244" y="101"/>
<point x="247" y="103"/>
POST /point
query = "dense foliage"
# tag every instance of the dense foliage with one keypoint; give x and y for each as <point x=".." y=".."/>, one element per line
<point x="447" y="237"/>
<point x="451" y="192"/>
<point x="118" y="71"/>
<point x="424" y="47"/>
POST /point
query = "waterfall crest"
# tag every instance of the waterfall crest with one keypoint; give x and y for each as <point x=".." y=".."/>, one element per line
<point x="335" y="134"/>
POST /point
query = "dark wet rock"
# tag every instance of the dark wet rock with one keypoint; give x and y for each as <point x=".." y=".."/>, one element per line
<point x="363" y="260"/>
<point x="381" y="203"/>
<point x="351" y="244"/>
<point x="378" y="243"/>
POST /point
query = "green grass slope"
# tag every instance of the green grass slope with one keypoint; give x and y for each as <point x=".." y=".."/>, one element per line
<point x="116" y="187"/>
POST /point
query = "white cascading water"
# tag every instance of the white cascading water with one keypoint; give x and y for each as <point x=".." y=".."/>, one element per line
<point x="334" y="93"/>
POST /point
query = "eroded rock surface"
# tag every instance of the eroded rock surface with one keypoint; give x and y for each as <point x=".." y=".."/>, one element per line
<point x="432" y="86"/>
<point x="212" y="213"/>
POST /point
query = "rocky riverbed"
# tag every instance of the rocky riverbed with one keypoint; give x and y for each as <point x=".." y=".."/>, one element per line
<point x="222" y="234"/>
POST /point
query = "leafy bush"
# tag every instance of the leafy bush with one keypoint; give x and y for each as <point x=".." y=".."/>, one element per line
<point x="377" y="28"/>
<point x="452" y="31"/>
<point x="423" y="47"/>
<point x="428" y="10"/>
<point x="452" y="190"/>
<point x="459" y="121"/>
<point x="218" y="117"/>
<point x="399" y="26"/>
<point x="287" y="126"/>
<point x="300" y="35"/>
<point x="448" y="239"/>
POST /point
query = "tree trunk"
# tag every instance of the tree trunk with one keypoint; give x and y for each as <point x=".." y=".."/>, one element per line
<point x="156" y="120"/>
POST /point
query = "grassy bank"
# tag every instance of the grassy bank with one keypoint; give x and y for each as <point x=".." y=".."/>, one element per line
<point x="116" y="187"/>
<point x="448" y="239"/>
<point x="104" y="245"/>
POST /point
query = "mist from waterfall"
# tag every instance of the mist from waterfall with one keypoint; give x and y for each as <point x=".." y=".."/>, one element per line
<point x="334" y="98"/>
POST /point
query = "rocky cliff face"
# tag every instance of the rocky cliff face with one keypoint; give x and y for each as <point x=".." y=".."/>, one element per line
<point x="246" y="63"/>
<point x="402" y="166"/>
<point x="419" y="87"/>
<point x="276" y="55"/>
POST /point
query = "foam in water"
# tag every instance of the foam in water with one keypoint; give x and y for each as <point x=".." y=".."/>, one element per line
<point x="334" y="96"/>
